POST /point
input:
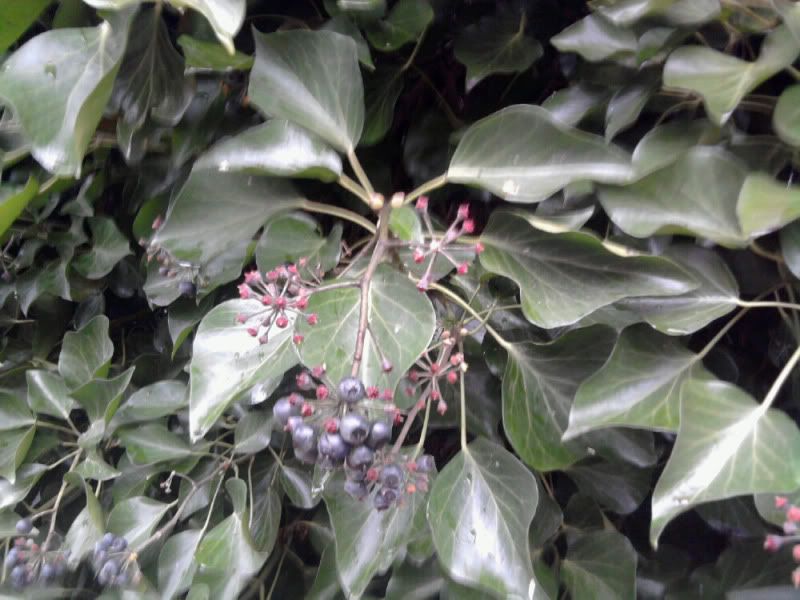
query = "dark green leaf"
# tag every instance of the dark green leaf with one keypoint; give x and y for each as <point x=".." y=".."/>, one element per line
<point x="596" y="38"/>
<point x="176" y="562"/>
<point x="135" y="519"/>
<point x="100" y="398"/>
<point x="86" y="529"/>
<point x="86" y="353"/>
<point x="14" y="446"/>
<point x="14" y="411"/>
<point x="382" y="91"/>
<point x="13" y="200"/>
<point x="160" y="399"/>
<point x="288" y="238"/>
<point x="15" y="17"/>
<point x="602" y="565"/>
<point x="200" y="54"/>
<point x="253" y="432"/>
<point x="152" y="443"/>
<point x="109" y="247"/>
<point x="405" y="23"/>
<point x="48" y="394"/>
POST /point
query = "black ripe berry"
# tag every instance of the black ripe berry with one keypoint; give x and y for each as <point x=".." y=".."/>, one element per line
<point x="24" y="526"/>
<point x="354" y="428"/>
<point x="379" y="434"/>
<point x="384" y="499"/>
<point x="425" y="463"/>
<point x="188" y="289"/>
<point x="284" y="409"/>
<point x="360" y="458"/>
<point x="351" y="390"/>
<point x="18" y="576"/>
<point x="119" y="544"/>
<point x="303" y="438"/>
<point x="356" y="489"/>
<point x="391" y="476"/>
<point x="333" y="447"/>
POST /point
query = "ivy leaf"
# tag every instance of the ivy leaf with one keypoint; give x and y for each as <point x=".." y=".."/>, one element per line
<point x="601" y="565"/>
<point x="382" y="91"/>
<point x="94" y="467"/>
<point x="625" y="107"/>
<point x="16" y="17"/>
<point x="765" y="204"/>
<point x="13" y="200"/>
<point x="14" y="411"/>
<point x="152" y="443"/>
<point x="638" y="386"/>
<point x="176" y="562"/>
<point x="393" y="303"/>
<point x="790" y="247"/>
<point x="226" y="361"/>
<point x="596" y="38"/>
<point x="566" y="276"/>
<point x="539" y="384"/>
<point x="154" y="401"/>
<point x="26" y="477"/>
<point x="728" y="445"/>
<point x="297" y="483"/>
<point x="480" y="509"/>
<point x="288" y="238"/>
<point x="326" y="581"/>
<point x="675" y="12"/>
<point x="109" y="247"/>
<point x="86" y="529"/>
<point x="618" y="487"/>
<point x="200" y="54"/>
<point x="48" y="394"/>
<point x="135" y="519"/>
<point x="58" y="84"/>
<point x="311" y="79"/>
<point x="367" y="540"/>
<point x="100" y="398"/>
<point x="14" y="446"/>
<point x="345" y="26"/>
<point x="496" y="44"/>
<point x="277" y="148"/>
<point x="696" y="195"/>
<point x="253" y="432"/>
<point x="786" y="117"/>
<point x="405" y="23"/>
<point x="723" y="80"/>
<point x="183" y="316"/>
<point x="86" y="353"/>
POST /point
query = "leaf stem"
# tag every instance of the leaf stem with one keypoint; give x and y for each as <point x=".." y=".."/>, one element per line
<point x="463" y="399"/>
<point x="424" y="432"/>
<point x="353" y="187"/>
<point x="360" y="174"/>
<point x="781" y="379"/>
<point x="457" y="299"/>
<point x="59" y="497"/>
<point x="342" y="213"/>
<point x="426" y="188"/>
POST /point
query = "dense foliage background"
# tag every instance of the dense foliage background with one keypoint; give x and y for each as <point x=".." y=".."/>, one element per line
<point x="556" y="241"/>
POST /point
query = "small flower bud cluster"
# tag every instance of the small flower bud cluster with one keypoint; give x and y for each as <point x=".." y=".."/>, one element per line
<point x="425" y="379"/>
<point x="773" y="542"/>
<point x="26" y="562"/>
<point x="187" y="273"/>
<point x="430" y="250"/>
<point x="394" y="479"/>
<point x="281" y="293"/>
<point x="114" y="562"/>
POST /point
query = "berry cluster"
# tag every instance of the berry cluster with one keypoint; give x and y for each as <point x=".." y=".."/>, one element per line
<point x="425" y="379"/>
<point x="114" y="563"/>
<point x="281" y="292"/>
<point x="435" y="247"/>
<point x="772" y="543"/>
<point x="27" y="562"/>
<point x="187" y="272"/>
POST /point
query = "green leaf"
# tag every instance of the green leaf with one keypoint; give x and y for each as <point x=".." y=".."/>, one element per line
<point x="200" y="54"/>
<point x="14" y="446"/>
<point x="152" y="443"/>
<point x="625" y="107"/>
<point x="404" y="223"/>
<point x="15" y="18"/>
<point x="100" y="398"/>
<point x="58" y="84"/>
<point x="539" y="384"/>
<point x="765" y="204"/>
<point x="601" y="565"/>
<point x="523" y="154"/>
<point x="48" y="394"/>
<point x="696" y="195"/>
<point x="86" y="529"/>
<point x="639" y="386"/>
<point x="182" y="317"/>
<point x="480" y="509"/>
<point x="227" y="557"/>
<point x="176" y="562"/>
<point x="266" y="520"/>
<point x="496" y="44"/>
<point x="790" y="247"/>
<point x="326" y="581"/>
<point x="277" y="148"/>
<point x="393" y="303"/>
<point x="367" y="540"/>
<point x="253" y="432"/>
<point x="13" y="492"/>
<point x="566" y="276"/>
<point x="786" y="117"/>
<point x="618" y="487"/>
<point x="728" y="445"/>
<point x="226" y="361"/>
<point x="723" y="80"/>
<point x="572" y="104"/>
<point x="13" y="200"/>
<point x="383" y="89"/>
<point x="311" y="79"/>
<point x="345" y="26"/>
<point x="361" y="10"/>
<point x="14" y="411"/>
<point x="135" y="519"/>
<point x="94" y="467"/>
<point x="109" y="247"/>
<point x="405" y="23"/>
<point x="86" y="353"/>
<point x="297" y="482"/>
<point x="154" y="401"/>
<point x="596" y="38"/>
<point x="675" y="12"/>
<point x="48" y="280"/>
<point x="288" y="238"/>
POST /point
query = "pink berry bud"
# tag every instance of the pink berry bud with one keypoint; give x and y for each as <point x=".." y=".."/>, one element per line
<point x="295" y="398"/>
<point x="322" y="392"/>
<point x="793" y="514"/>
<point x="772" y="543"/>
<point x="282" y="321"/>
<point x="303" y="261"/>
<point x="441" y="408"/>
<point x="301" y="302"/>
<point x="418" y="255"/>
<point x="272" y="276"/>
<point x="435" y="368"/>
<point x="263" y="339"/>
<point x="303" y="381"/>
<point x="244" y="291"/>
<point x="252" y="276"/>
<point x="253" y="331"/>
<point x="468" y="226"/>
<point x="386" y="365"/>
<point x="479" y="248"/>
<point x="387" y="395"/>
<point x="413" y="375"/>
<point x="398" y="417"/>
<point x="435" y="395"/>
<point x="266" y="300"/>
<point x="781" y="501"/>
<point x="424" y="283"/>
<point x="307" y="410"/>
<point x="292" y="269"/>
<point x="463" y="268"/>
<point x="312" y="319"/>
<point x="240" y="318"/>
<point x="373" y="392"/>
<point x="463" y="211"/>
<point x="331" y="425"/>
<point x="318" y="371"/>
<point x="298" y="339"/>
<point x="372" y="474"/>
<point x="452" y="377"/>
<point x="422" y="203"/>
<point x="411" y="488"/>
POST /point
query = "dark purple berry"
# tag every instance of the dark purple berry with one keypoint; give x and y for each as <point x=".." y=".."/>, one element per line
<point x="356" y="489"/>
<point x="119" y="544"/>
<point x="100" y="556"/>
<point x="188" y="289"/>
<point x="356" y="474"/>
<point x="360" y="457"/>
<point x="12" y="558"/>
<point x="332" y="446"/>
<point x="308" y="457"/>
<point x="384" y="499"/>
<point x="48" y="572"/>
<point x="24" y="526"/>
<point x="351" y="390"/>
<point x="18" y="576"/>
<point x="106" y="541"/>
<point x="284" y="409"/>
<point x="354" y="428"/>
<point x="303" y="437"/>
<point x="425" y="463"/>
<point x="379" y="434"/>
<point x="391" y="476"/>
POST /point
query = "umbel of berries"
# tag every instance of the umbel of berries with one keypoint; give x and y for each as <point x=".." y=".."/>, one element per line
<point x="114" y="563"/>
<point x="27" y="563"/>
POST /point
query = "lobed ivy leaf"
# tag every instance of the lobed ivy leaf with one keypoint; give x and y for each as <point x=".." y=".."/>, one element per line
<point x="405" y="23"/>
<point x="675" y="12"/>
<point x="86" y="529"/>
<point x="92" y="466"/>
<point x="154" y="401"/>
<point x="597" y="38"/>
<point x="176" y="562"/>
<point x="86" y="353"/>
<point x="602" y="565"/>
<point x="13" y="200"/>
<point x="765" y="205"/>
<point x="135" y="519"/>
<point x="100" y="398"/>
<point x="109" y="247"/>
<point x="381" y="93"/>
<point x="14" y="445"/>
<point x="288" y="238"/>
<point x="27" y="476"/>
<point x="253" y="432"/>
<point x="15" y="411"/>
<point x="345" y="26"/>
<point x="152" y="443"/>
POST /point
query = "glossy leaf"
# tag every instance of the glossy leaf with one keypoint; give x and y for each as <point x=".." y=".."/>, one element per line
<point x="48" y="394"/>
<point x="253" y="432"/>
<point x="135" y="519"/>
<point x="496" y="45"/>
<point x="341" y="24"/>
<point x="14" y="446"/>
<point x="595" y="38"/>
<point x="86" y="529"/>
<point x="728" y="445"/>
<point x="153" y="442"/>
<point x="676" y="12"/>
<point x="183" y="317"/>
<point x="26" y="477"/>
<point x="200" y="54"/>
<point x="786" y="118"/>
<point x="602" y="565"/>
<point x="523" y="154"/>
<point x="394" y="302"/>
<point x="765" y="204"/>
<point x="226" y="361"/>
<point x="13" y="200"/>
<point x="154" y="401"/>
<point x="15" y="17"/>
<point x="100" y="398"/>
<point x="109" y="247"/>
<point x="277" y="148"/>
<point x="564" y="277"/>
<point x="382" y="90"/>
<point x="92" y="466"/>
<point x="480" y="509"/>
<point x="625" y="107"/>
<point x="723" y="80"/>
<point x="618" y="487"/>
<point x="639" y="386"/>
<point x="311" y="79"/>
<point x="405" y="23"/>
<point x="289" y="238"/>
<point x="58" y="84"/>
<point x="86" y="353"/>
<point x="176" y="563"/>
<point x="14" y="411"/>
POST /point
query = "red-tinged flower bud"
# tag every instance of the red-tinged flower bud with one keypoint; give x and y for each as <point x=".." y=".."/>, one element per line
<point x="282" y="272"/>
<point x="463" y="211"/>
<point x="318" y="371"/>
<point x="292" y="269"/>
<point x="772" y="543"/>
<point x="303" y="380"/>
<point x="266" y="300"/>
<point x="253" y="331"/>
<point x="468" y="226"/>
<point x="435" y="368"/>
<point x="298" y="339"/>
<point x="244" y="291"/>
<point x="303" y="261"/>
<point x="422" y="203"/>
<point x="441" y="408"/>
<point x="413" y="375"/>
<point x="295" y="398"/>
<point x="793" y="514"/>
<point x="420" y="404"/>
<point x="435" y="395"/>
<point x="479" y="248"/>
<point x="418" y="255"/>
<point x="456" y="359"/>
<point x="781" y="501"/>
<point x="272" y="276"/>
<point x="463" y="268"/>
<point x="307" y="410"/>
<point x="411" y="488"/>
<point x="264" y="339"/>
<point x="424" y="283"/>
<point x="372" y="474"/>
<point x="252" y="276"/>
<point x="282" y="321"/>
<point x="240" y="318"/>
<point x="386" y="365"/>
<point x="387" y="395"/>
<point x="398" y="417"/>
<point x="452" y="377"/>
<point x="312" y="319"/>
<point x="789" y="528"/>
<point x="331" y="425"/>
<point x="301" y="302"/>
<point x="411" y="466"/>
<point x="373" y="392"/>
<point x="322" y="392"/>
<point x="157" y="222"/>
